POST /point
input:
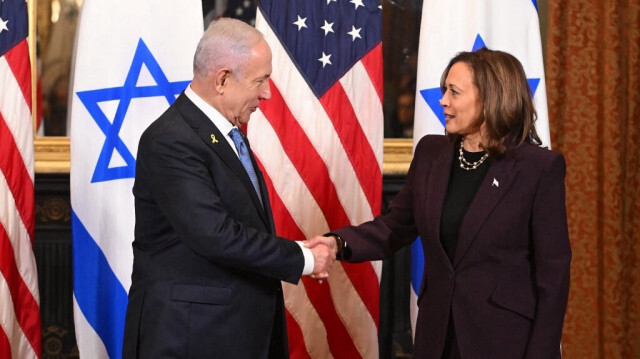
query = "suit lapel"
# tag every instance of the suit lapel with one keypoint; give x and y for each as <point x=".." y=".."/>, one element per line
<point x="263" y="190"/>
<point x="210" y="135"/>
<point x="493" y="187"/>
<point x="438" y="182"/>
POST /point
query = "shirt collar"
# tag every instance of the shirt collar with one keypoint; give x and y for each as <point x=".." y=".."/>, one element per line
<point x="214" y="115"/>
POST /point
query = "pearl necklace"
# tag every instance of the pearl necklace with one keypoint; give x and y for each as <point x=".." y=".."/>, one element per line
<point x="466" y="165"/>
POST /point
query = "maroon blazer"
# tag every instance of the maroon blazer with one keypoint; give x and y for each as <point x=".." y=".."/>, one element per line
<point x="508" y="285"/>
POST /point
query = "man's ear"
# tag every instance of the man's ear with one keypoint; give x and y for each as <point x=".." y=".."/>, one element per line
<point x="221" y="79"/>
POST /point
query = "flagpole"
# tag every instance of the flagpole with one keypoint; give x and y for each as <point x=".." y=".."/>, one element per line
<point x="31" y="11"/>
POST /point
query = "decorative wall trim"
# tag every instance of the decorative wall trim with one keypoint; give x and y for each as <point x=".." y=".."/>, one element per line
<point x="398" y="153"/>
<point x="52" y="155"/>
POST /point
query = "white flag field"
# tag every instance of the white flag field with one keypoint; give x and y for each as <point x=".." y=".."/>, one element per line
<point x="449" y="27"/>
<point x="132" y="59"/>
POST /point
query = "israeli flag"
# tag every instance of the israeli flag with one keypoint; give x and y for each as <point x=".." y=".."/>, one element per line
<point x="132" y="59"/>
<point x="449" y="27"/>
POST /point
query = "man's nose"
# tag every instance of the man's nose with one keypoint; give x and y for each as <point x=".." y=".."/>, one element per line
<point x="266" y="92"/>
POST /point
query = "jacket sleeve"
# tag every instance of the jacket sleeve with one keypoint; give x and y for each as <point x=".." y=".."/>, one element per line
<point x="387" y="233"/>
<point x="551" y="257"/>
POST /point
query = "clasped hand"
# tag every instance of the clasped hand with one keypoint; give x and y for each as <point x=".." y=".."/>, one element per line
<point x="324" y="251"/>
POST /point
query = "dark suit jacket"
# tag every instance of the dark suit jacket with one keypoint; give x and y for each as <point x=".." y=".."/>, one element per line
<point x="207" y="265"/>
<point x="508" y="285"/>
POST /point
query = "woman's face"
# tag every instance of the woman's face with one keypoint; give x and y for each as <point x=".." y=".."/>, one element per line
<point x="461" y="102"/>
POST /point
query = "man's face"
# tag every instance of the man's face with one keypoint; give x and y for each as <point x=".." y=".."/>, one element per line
<point x="243" y="95"/>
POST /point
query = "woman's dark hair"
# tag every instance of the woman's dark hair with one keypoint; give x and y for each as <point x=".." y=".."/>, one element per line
<point x="507" y="105"/>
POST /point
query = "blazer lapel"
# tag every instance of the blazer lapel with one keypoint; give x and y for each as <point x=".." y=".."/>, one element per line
<point x="439" y="174"/>
<point x="495" y="184"/>
<point x="210" y="134"/>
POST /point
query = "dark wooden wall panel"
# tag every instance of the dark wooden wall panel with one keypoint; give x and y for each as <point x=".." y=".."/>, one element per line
<point x="53" y="252"/>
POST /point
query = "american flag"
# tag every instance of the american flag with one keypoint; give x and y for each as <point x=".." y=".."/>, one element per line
<point x="319" y="142"/>
<point x="19" y="298"/>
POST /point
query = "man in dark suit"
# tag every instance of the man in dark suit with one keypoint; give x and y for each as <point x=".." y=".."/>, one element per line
<point x="208" y="267"/>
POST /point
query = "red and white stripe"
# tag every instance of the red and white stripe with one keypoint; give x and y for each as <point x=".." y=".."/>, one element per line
<point x="20" y="335"/>
<point x="322" y="160"/>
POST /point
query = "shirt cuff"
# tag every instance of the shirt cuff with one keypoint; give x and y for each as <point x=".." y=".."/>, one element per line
<point x="309" y="262"/>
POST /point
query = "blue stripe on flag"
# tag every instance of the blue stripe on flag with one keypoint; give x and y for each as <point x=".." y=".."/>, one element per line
<point x="100" y="295"/>
<point x="417" y="265"/>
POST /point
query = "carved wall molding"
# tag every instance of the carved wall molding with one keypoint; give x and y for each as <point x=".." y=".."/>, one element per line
<point x="52" y="155"/>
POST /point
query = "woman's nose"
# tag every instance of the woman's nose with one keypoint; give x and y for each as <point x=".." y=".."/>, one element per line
<point x="444" y="101"/>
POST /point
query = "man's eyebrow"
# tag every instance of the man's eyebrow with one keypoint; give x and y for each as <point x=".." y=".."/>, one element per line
<point x="264" y="77"/>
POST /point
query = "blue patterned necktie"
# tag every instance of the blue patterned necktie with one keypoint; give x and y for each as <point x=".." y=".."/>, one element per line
<point x="243" y="153"/>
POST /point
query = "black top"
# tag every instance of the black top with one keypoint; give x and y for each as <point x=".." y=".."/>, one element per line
<point x="463" y="185"/>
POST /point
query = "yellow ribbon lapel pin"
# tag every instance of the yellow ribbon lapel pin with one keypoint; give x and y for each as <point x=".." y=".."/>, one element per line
<point x="214" y="139"/>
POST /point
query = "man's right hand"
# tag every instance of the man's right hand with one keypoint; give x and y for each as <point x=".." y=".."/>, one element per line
<point x="324" y="255"/>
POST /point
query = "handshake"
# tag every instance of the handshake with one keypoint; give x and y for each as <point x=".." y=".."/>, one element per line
<point x="325" y="251"/>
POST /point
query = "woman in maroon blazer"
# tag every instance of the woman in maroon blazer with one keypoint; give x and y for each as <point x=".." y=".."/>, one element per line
<point x="489" y="205"/>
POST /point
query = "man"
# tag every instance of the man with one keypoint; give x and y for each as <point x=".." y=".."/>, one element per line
<point x="207" y="265"/>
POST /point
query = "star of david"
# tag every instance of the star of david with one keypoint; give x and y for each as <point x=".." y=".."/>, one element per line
<point x="125" y="94"/>
<point x="433" y="95"/>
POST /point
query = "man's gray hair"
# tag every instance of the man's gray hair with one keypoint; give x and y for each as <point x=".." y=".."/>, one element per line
<point x="226" y="43"/>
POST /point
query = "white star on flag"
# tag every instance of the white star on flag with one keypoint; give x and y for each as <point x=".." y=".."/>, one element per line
<point x="357" y="3"/>
<point x="3" y="24"/>
<point x="325" y="59"/>
<point x="328" y="1"/>
<point x="327" y="27"/>
<point x="300" y="22"/>
<point x="355" y="33"/>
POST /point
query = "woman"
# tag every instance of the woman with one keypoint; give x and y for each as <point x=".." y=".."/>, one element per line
<point x="489" y="205"/>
